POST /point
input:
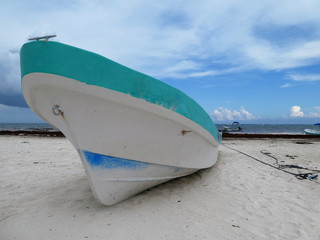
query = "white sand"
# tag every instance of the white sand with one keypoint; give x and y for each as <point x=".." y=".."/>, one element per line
<point x="45" y="195"/>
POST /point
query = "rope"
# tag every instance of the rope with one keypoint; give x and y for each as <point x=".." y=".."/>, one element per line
<point x="300" y="176"/>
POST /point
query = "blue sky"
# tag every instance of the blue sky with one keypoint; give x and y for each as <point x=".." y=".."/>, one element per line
<point x="251" y="61"/>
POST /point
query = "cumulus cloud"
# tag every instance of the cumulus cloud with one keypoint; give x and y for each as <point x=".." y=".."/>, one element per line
<point x="223" y="114"/>
<point x="295" y="111"/>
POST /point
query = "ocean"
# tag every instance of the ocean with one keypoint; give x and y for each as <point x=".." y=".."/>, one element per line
<point x="246" y="128"/>
<point x="271" y="128"/>
<point x="45" y="127"/>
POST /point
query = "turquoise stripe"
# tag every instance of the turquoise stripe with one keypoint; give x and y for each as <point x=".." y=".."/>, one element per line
<point x="93" y="69"/>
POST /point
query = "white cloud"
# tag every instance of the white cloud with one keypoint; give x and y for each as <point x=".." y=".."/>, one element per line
<point x="169" y="38"/>
<point x="185" y="69"/>
<point x="307" y="51"/>
<point x="315" y="114"/>
<point x="224" y="114"/>
<point x="306" y="77"/>
<point x="184" y="66"/>
<point x="270" y="57"/>
<point x="153" y="37"/>
<point x="295" y="111"/>
<point x="286" y="85"/>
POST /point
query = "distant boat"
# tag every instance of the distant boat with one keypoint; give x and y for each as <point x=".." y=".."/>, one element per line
<point x="234" y="127"/>
<point x="131" y="131"/>
<point x="314" y="131"/>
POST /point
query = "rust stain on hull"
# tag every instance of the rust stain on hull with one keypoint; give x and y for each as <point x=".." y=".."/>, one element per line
<point x="184" y="132"/>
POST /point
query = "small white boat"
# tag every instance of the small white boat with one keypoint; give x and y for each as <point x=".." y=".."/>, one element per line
<point x="314" y="131"/>
<point x="235" y="127"/>
<point x="131" y="131"/>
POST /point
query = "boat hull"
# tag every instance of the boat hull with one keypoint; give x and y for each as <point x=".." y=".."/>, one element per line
<point x="311" y="132"/>
<point x="126" y="144"/>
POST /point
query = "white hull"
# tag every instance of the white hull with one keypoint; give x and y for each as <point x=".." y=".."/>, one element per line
<point x="312" y="132"/>
<point x="151" y="144"/>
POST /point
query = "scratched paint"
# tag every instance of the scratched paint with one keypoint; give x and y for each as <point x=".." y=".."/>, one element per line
<point x="110" y="162"/>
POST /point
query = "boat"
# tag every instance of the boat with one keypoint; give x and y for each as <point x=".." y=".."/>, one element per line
<point x="131" y="131"/>
<point x="235" y="127"/>
<point x="314" y="131"/>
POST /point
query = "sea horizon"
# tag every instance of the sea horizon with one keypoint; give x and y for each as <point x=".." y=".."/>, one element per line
<point x="267" y="128"/>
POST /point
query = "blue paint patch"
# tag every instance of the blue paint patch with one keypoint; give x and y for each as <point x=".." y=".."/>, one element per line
<point x="109" y="162"/>
<point x="177" y="169"/>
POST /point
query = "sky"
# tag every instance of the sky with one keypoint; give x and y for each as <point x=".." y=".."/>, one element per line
<point x="249" y="61"/>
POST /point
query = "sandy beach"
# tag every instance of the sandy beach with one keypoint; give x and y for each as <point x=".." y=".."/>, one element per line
<point x="258" y="189"/>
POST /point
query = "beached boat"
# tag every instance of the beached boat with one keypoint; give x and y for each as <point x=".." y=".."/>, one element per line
<point x="131" y="131"/>
<point x="314" y="131"/>
<point x="235" y="127"/>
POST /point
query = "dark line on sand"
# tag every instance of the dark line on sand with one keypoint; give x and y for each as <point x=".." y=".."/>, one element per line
<point x="268" y="135"/>
<point x="297" y="175"/>
<point x="37" y="133"/>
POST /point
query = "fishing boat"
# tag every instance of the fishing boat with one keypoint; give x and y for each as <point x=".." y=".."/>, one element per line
<point x="314" y="131"/>
<point x="235" y="127"/>
<point x="131" y="131"/>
